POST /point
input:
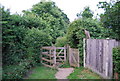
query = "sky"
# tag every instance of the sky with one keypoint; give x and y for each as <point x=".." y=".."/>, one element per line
<point x="69" y="7"/>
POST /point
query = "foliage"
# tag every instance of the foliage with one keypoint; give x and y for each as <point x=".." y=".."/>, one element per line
<point x="83" y="73"/>
<point x="34" y="40"/>
<point x="42" y="73"/>
<point x="61" y="41"/>
<point x="87" y="13"/>
<point x="48" y="17"/>
<point x="20" y="45"/>
<point x="116" y="60"/>
<point x="15" y="71"/>
<point x="12" y="37"/>
<point x="75" y="33"/>
<point x="111" y="17"/>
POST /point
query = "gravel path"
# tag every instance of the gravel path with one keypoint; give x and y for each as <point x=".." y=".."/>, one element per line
<point x="63" y="73"/>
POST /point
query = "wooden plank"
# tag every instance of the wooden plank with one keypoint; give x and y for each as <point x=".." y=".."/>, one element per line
<point x="54" y="55"/>
<point x="60" y="52"/>
<point x="99" y="56"/>
<point x="107" y="58"/>
<point x="48" y="48"/>
<point x="50" y="55"/>
<point x="51" y="61"/>
<point x="44" y="52"/>
<point x="84" y="53"/>
<point x="111" y="46"/>
<point x="65" y="53"/>
<point x="104" y="56"/>
<point x="60" y="60"/>
<point x="74" y="65"/>
<point x="70" y="51"/>
<point x="94" y="54"/>
<point x="78" y="59"/>
<point x="60" y="48"/>
<point x="67" y="49"/>
<point x="89" y="52"/>
<point x="74" y="59"/>
<point x="61" y="56"/>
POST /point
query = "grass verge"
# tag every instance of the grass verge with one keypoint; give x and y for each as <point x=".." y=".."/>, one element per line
<point x="83" y="73"/>
<point x="41" y="72"/>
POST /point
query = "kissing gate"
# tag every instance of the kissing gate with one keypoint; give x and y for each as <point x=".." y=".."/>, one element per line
<point x="55" y="56"/>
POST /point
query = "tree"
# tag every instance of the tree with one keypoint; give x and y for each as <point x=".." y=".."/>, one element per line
<point x="56" y="21"/>
<point x="87" y="13"/>
<point x="111" y="17"/>
<point x="75" y="32"/>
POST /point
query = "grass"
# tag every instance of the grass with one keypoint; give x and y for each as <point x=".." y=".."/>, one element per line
<point x="83" y="73"/>
<point x="41" y="72"/>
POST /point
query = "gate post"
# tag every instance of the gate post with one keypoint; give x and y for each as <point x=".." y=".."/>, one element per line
<point x="67" y="48"/>
<point x="84" y="51"/>
<point x="54" y="54"/>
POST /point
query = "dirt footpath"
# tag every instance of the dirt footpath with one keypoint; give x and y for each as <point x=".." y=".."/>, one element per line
<point x="63" y="73"/>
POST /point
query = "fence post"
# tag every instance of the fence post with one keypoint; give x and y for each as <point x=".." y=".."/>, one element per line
<point x="65" y="53"/>
<point x="67" y="49"/>
<point x="54" y="54"/>
<point x="84" y="51"/>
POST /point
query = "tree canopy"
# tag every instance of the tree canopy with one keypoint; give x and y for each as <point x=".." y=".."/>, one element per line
<point x="87" y="13"/>
<point x="111" y="17"/>
<point x="48" y="17"/>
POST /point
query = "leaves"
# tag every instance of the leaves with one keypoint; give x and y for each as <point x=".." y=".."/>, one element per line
<point x="111" y="17"/>
<point x="116" y="59"/>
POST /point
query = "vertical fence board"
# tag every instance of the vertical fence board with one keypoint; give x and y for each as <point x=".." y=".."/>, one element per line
<point x="84" y="53"/>
<point x="98" y="55"/>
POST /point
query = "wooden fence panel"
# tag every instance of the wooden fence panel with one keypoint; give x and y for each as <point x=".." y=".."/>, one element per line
<point x="74" y="57"/>
<point x="98" y="55"/>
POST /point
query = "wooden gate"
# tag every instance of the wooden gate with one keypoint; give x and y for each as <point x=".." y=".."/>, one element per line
<point x="74" y="57"/>
<point x="55" y="56"/>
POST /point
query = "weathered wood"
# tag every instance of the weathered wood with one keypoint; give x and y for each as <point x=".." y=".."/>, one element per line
<point x="51" y="61"/>
<point x="61" y="56"/>
<point x="98" y="56"/>
<point x="58" y="53"/>
<point x="60" y="47"/>
<point x="45" y="53"/>
<point x="65" y="53"/>
<point x="48" y="48"/>
<point x="84" y="54"/>
<point x="74" y="57"/>
<point x="53" y="56"/>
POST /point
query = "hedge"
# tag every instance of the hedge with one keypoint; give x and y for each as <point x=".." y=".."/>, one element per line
<point x="25" y="52"/>
<point x="61" y="41"/>
<point x="116" y="60"/>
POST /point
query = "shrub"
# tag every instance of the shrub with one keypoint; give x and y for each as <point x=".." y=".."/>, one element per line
<point x="28" y="54"/>
<point x="61" y="41"/>
<point x="116" y="60"/>
<point x="15" y="71"/>
<point x="34" y="40"/>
